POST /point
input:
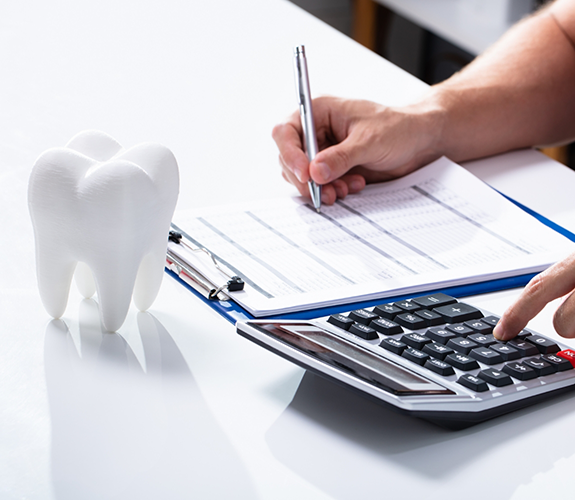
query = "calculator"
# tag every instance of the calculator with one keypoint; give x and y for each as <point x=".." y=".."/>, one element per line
<point x="432" y="357"/>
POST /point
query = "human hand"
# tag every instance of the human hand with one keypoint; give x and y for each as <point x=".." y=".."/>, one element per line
<point x="555" y="282"/>
<point x="359" y="142"/>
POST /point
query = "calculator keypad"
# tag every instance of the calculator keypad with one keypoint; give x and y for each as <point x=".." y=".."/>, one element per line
<point x="455" y="340"/>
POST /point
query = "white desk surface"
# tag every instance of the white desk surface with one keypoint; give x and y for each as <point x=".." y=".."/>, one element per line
<point x="176" y="405"/>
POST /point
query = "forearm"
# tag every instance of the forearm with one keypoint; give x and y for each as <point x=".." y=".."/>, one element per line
<point x="520" y="93"/>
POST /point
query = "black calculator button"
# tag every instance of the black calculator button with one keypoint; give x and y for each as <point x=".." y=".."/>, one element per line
<point x="507" y="352"/>
<point x="486" y="355"/>
<point x="386" y="326"/>
<point x="341" y="321"/>
<point x="431" y="318"/>
<point x="460" y="329"/>
<point x="439" y="334"/>
<point x="544" y="345"/>
<point x="491" y="320"/>
<point x="482" y="340"/>
<point x="479" y="326"/>
<point x="434" y="300"/>
<point x="558" y="362"/>
<point x="407" y="305"/>
<point x="540" y="366"/>
<point x="411" y="321"/>
<point x="393" y="345"/>
<point x="437" y="350"/>
<point x="523" y="334"/>
<point x="461" y="361"/>
<point x="362" y="316"/>
<point x="523" y="347"/>
<point x="472" y="382"/>
<point x="519" y="371"/>
<point x="495" y="377"/>
<point x="439" y="366"/>
<point x="388" y="311"/>
<point x="415" y="340"/>
<point x="414" y="355"/>
<point x="363" y="331"/>
<point x="461" y="344"/>
<point x="457" y="313"/>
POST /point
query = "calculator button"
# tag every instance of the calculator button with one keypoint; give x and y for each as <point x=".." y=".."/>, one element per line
<point x="407" y="305"/>
<point x="540" y="366"/>
<point x="523" y="347"/>
<point x="491" y="320"/>
<point x="495" y="377"/>
<point x="437" y="350"/>
<point x="415" y="340"/>
<point x="439" y="334"/>
<point x="414" y="355"/>
<point x="482" y="340"/>
<point x="523" y="334"/>
<point x="393" y="345"/>
<point x="411" y="321"/>
<point x="569" y="355"/>
<point x="457" y="313"/>
<point x="519" y="371"/>
<point x="461" y="361"/>
<point x="472" y="382"/>
<point x="486" y="355"/>
<point x="386" y="326"/>
<point x="439" y="366"/>
<point x="434" y="300"/>
<point x="461" y="344"/>
<point x="459" y="329"/>
<point x="365" y="332"/>
<point x="507" y="352"/>
<point x="544" y="345"/>
<point x="431" y="318"/>
<point x="388" y="311"/>
<point x="558" y="362"/>
<point x="341" y="321"/>
<point x="362" y="316"/>
<point x="479" y="326"/>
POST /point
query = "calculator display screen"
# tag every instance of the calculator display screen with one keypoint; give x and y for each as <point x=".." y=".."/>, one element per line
<point x="350" y="358"/>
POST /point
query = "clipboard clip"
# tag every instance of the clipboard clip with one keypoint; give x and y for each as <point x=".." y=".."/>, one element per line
<point x="194" y="277"/>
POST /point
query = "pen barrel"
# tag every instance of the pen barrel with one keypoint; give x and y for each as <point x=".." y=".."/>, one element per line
<point x="304" y="99"/>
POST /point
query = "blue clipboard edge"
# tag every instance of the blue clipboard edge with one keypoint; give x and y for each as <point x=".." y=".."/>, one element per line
<point x="233" y="312"/>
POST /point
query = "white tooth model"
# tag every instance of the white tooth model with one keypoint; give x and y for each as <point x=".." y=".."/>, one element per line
<point x="105" y="213"/>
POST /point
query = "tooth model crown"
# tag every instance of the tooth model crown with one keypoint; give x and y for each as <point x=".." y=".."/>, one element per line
<point x="105" y="213"/>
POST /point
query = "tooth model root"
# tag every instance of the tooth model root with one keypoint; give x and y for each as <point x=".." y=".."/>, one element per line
<point x="104" y="213"/>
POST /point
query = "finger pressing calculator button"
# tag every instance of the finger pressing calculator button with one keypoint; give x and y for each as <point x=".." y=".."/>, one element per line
<point x="507" y="352"/>
<point x="437" y="350"/>
<point x="386" y="326"/>
<point x="411" y="321"/>
<point x="457" y="313"/>
<point x="393" y="345"/>
<point x="495" y="377"/>
<point x="523" y="347"/>
<point x="363" y="331"/>
<point x="519" y="371"/>
<point x="415" y="340"/>
<point x="439" y="366"/>
<point x="461" y="344"/>
<point x="362" y="316"/>
<point x="461" y="361"/>
<point x="472" y="382"/>
<point x="388" y="311"/>
<point x="434" y="300"/>
<point x="414" y="355"/>
<point x="486" y="355"/>
<point x="540" y="367"/>
<point x="439" y="334"/>
<point x="341" y="321"/>
<point x="569" y="355"/>
<point x="544" y="345"/>
<point x="558" y="362"/>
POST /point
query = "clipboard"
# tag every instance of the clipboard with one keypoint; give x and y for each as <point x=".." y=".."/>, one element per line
<point x="216" y="295"/>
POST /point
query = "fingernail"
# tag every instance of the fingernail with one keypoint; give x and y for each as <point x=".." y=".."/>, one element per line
<point x="497" y="333"/>
<point x="299" y="174"/>
<point x="323" y="172"/>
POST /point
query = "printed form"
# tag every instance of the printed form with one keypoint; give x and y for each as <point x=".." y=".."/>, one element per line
<point x="439" y="226"/>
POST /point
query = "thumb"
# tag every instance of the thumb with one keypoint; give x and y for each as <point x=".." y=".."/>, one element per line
<point x="333" y="162"/>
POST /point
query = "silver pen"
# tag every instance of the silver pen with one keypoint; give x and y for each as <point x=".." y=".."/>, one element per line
<point x="307" y="122"/>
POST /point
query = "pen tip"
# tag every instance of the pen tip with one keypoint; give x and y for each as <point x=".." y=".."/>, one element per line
<point x="317" y="209"/>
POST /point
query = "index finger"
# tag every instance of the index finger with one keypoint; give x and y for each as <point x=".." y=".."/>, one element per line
<point x="288" y="137"/>
<point x="549" y="285"/>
